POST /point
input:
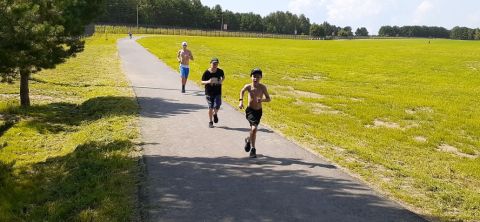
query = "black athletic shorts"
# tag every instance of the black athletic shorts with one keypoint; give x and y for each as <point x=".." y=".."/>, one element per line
<point x="253" y="116"/>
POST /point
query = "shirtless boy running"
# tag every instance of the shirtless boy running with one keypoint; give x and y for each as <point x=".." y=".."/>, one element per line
<point x="257" y="94"/>
<point x="184" y="56"/>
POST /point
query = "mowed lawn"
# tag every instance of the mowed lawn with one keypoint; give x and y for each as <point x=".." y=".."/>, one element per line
<point x="404" y="115"/>
<point x="72" y="155"/>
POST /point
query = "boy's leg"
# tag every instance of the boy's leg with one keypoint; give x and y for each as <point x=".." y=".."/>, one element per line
<point x="210" y="114"/>
<point x="253" y="135"/>
<point x="217" y="104"/>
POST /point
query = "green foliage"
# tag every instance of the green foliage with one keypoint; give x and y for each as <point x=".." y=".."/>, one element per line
<point x="465" y="33"/>
<point x="361" y="31"/>
<point x="286" y="23"/>
<point x="414" y="31"/>
<point x="402" y="114"/>
<point x="38" y="35"/>
<point x="71" y="155"/>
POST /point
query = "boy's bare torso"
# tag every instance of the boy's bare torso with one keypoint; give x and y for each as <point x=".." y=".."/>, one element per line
<point x="255" y="94"/>
<point x="185" y="56"/>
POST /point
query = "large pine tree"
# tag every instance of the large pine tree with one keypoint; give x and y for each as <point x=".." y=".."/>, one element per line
<point x="39" y="34"/>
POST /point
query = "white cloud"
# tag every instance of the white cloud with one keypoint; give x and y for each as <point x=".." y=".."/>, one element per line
<point x="304" y="6"/>
<point x="344" y="10"/>
<point x="422" y="11"/>
<point x="339" y="10"/>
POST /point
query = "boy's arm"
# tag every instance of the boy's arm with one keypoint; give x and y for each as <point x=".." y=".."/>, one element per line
<point x="222" y="78"/>
<point x="267" y="96"/>
<point x="191" y="55"/>
<point x="205" y="81"/>
<point x="178" y="56"/>
<point x="240" y="104"/>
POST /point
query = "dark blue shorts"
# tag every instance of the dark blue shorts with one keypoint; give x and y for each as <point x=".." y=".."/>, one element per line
<point x="214" y="102"/>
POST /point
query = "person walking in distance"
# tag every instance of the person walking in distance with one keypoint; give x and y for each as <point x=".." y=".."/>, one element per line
<point x="184" y="56"/>
<point x="213" y="79"/>
<point x="257" y="94"/>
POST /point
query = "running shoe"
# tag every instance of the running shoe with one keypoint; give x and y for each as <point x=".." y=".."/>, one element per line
<point x="215" y="118"/>
<point x="253" y="153"/>
<point x="210" y="124"/>
<point x="247" y="145"/>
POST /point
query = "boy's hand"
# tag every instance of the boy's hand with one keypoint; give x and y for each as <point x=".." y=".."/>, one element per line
<point x="240" y="105"/>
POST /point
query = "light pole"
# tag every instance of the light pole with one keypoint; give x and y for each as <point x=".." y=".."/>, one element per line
<point x="137" y="14"/>
<point x="221" y="26"/>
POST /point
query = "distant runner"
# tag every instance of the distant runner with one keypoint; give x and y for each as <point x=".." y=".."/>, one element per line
<point x="213" y="79"/>
<point x="184" y="56"/>
<point x="253" y="113"/>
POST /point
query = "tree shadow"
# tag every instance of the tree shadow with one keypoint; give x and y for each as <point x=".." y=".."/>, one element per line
<point x="190" y="92"/>
<point x="162" y="108"/>
<point x="63" y="116"/>
<point x="93" y="183"/>
<point x="263" y="189"/>
<point x="64" y="84"/>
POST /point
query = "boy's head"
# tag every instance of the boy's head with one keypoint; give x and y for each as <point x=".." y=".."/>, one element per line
<point x="256" y="75"/>
<point x="184" y="44"/>
<point x="214" y="62"/>
<point x="256" y="72"/>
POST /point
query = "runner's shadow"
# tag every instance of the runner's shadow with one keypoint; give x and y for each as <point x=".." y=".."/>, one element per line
<point x="244" y="129"/>
<point x="162" y="108"/>
<point x="292" y="161"/>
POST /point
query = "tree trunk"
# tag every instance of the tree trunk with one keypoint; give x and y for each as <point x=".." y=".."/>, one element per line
<point x="24" y="91"/>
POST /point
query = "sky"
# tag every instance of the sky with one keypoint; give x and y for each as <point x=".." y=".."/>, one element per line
<point x="371" y="14"/>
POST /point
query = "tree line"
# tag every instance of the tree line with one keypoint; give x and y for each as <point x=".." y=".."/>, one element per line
<point x="192" y="14"/>
<point x="462" y="33"/>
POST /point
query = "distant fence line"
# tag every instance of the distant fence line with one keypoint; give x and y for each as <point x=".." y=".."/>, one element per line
<point x="119" y="29"/>
<point x="166" y="30"/>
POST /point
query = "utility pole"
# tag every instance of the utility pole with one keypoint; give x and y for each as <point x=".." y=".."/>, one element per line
<point x="221" y="26"/>
<point x="137" y="14"/>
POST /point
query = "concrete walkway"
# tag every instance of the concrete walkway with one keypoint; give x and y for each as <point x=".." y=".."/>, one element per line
<point x="195" y="173"/>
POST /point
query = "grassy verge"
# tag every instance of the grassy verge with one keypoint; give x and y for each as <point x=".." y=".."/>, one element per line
<point x="401" y="114"/>
<point x="72" y="155"/>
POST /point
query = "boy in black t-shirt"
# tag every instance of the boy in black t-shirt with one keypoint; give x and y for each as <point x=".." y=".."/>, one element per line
<point x="213" y="78"/>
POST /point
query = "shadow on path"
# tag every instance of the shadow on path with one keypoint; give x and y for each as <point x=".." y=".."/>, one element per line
<point x="263" y="189"/>
<point x="162" y="108"/>
<point x="244" y="129"/>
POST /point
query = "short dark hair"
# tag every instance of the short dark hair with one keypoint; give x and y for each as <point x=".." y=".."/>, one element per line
<point x="256" y="71"/>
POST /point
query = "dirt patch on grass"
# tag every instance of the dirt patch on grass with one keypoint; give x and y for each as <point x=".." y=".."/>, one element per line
<point x="291" y="92"/>
<point x="419" y="109"/>
<point x="318" y="108"/>
<point x="473" y="65"/>
<point x="305" y="78"/>
<point x="356" y="99"/>
<point x="378" y="123"/>
<point x="382" y="123"/>
<point x="9" y="96"/>
<point x="420" y="139"/>
<point x="451" y="149"/>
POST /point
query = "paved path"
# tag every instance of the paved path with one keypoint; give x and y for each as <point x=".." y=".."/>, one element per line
<point x="195" y="173"/>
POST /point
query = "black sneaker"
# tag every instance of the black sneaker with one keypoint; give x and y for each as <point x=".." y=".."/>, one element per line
<point x="210" y="124"/>
<point x="215" y="118"/>
<point x="247" y="144"/>
<point x="183" y="90"/>
<point x="253" y="153"/>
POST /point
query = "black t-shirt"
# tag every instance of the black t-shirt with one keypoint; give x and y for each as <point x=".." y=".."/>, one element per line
<point x="215" y="89"/>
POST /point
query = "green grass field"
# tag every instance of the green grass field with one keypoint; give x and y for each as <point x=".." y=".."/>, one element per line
<point x="401" y="114"/>
<point x="71" y="156"/>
